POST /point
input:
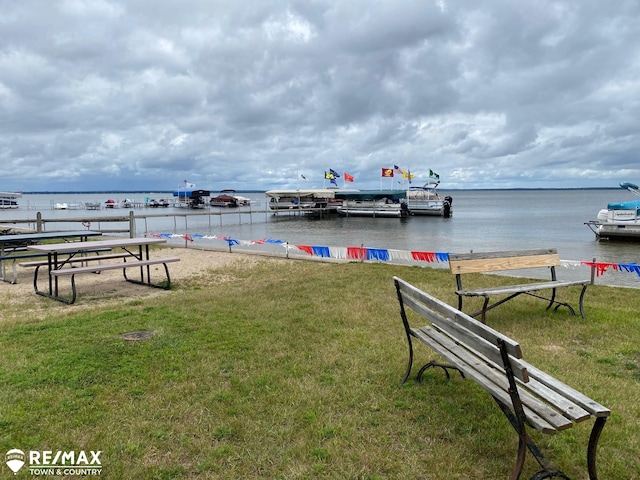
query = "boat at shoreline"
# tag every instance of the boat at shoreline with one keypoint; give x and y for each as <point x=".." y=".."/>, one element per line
<point x="321" y="198"/>
<point x="426" y="200"/>
<point x="9" y="199"/>
<point x="373" y="203"/>
<point x="229" y="199"/>
<point x="190" y="197"/>
<point x="620" y="220"/>
<point x="153" y="203"/>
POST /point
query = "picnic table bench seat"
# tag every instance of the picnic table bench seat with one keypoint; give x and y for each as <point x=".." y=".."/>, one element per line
<point x="527" y="396"/>
<point x="21" y="253"/>
<point x="145" y="279"/>
<point x="486" y="262"/>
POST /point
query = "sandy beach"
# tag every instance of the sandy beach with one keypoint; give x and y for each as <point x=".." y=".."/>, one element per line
<point x="20" y="303"/>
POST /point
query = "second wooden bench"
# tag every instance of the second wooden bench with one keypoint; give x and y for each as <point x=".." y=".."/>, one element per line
<point x="485" y="262"/>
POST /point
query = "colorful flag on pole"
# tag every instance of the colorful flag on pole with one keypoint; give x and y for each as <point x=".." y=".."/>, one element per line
<point x="408" y="175"/>
<point x="387" y="172"/>
<point x="347" y="177"/>
<point x="433" y="174"/>
<point x="397" y="170"/>
<point x="334" y="173"/>
<point x="330" y="175"/>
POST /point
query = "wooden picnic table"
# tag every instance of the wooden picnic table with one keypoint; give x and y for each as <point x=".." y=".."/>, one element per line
<point x="12" y="247"/>
<point x="135" y="254"/>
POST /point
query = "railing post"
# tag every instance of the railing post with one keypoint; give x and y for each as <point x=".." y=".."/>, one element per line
<point x="39" y="222"/>
<point x="132" y="225"/>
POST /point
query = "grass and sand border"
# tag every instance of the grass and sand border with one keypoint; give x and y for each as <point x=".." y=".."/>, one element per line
<point x="273" y="368"/>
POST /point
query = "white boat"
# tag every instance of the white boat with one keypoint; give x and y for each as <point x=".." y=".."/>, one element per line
<point x="302" y="199"/>
<point x="620" y="220"/>
<point x="426" y="200"/>
<point x="373" y="203"/>
<point x="9" y="199"/>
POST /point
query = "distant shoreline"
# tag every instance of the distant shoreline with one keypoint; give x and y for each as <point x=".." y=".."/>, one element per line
<point x="55" y="192"/>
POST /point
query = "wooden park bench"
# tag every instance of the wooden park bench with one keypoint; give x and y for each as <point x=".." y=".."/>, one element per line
<point x="463" y="263"/>
<point x="527" y="396"/>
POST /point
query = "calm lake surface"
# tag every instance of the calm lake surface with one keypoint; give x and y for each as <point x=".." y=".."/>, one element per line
<point x="483" y="220"/>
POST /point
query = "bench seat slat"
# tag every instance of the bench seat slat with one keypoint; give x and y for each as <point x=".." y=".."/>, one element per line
<point x="93" y="258"/>
<point x="111" y="266"/>
<point x="19" y="256"/>
<point x="540" y="414"/>
<point x="520" y="288"/>
<point x="564" y="405"/>
<point x="585" y="402"/>
<point x="558" y="398"/>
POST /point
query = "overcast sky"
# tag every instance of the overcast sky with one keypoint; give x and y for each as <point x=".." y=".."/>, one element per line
<point x="142" y="95"/>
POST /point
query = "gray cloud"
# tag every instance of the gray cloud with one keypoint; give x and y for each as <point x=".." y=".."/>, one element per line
<point x="142" y="95"/>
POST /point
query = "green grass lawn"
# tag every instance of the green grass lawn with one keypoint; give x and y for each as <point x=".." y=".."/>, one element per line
<point x="291" y="370"/>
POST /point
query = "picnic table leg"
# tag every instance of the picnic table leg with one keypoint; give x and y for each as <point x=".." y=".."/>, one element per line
<point x="148" y="281"/>
<point x="35" y="279"/>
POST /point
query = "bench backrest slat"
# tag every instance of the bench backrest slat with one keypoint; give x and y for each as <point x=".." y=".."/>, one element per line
<point x="461" y="263"/>
<point x="473" y="334"/>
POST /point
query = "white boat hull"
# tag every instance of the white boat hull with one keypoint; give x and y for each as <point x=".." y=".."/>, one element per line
<point x="433" y="208"/>
<point x="361" y="209"/>
<point x="619" y="231"/>
<point x="616" y="225"/>
<point x="619" y="221"/>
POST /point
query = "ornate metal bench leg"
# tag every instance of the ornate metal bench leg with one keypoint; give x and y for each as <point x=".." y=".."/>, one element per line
<point x="593" y="444"/>
<point x="549" y="474"/>
<point x="560" y="304"/>
<point x="552" y="300"/>
<point x="527" y="443"/>
<point x="443" y="366"/>
<point x="410" y="364"/>
<point x="580" y="304"/>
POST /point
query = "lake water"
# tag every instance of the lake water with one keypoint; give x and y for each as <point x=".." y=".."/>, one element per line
<point x="483" y="220"/>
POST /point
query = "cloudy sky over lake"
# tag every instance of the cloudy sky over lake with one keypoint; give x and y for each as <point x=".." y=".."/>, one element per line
<point x="142" y="95"/>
